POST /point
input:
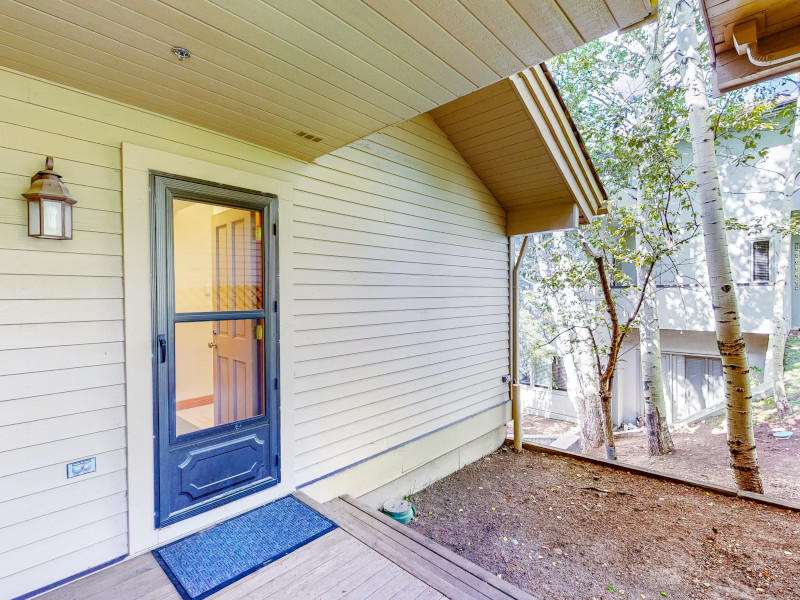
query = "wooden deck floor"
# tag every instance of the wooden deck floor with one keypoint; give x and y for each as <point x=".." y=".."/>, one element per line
<point x="368" y="557"/>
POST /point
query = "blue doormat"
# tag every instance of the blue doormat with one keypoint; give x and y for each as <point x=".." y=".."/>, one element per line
<point x="205" y="562"/>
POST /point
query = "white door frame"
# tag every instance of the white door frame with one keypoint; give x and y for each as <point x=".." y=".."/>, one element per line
<point x="137" y="162"/>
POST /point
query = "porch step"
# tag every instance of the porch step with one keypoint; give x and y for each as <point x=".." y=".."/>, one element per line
<point x="445" y="571"/>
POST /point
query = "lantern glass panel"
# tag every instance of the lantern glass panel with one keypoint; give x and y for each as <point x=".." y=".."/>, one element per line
<point x="34" y="220"/>
<point x="68" y="221"/>
<point x="52" y="224"/>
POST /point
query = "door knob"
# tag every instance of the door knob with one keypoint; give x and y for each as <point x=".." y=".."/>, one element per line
<point x="212" y="344"/>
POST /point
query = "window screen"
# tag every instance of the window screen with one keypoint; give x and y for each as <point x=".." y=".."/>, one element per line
<point x="797" y="265"/>
<point x="695" y="389"/>
<point x="559" y="374"/>
<point x="761" y="260"/>
<point x="541" y="373"/>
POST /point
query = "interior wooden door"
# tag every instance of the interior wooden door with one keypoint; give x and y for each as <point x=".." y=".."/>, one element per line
<point x="235" y="356"/>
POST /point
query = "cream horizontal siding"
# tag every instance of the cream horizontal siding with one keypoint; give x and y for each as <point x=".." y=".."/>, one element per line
<point x="61" y="357"/>
<point x="399" y="308"/>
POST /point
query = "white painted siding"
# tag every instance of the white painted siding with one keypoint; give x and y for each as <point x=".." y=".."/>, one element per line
<point x="399" y="310"/>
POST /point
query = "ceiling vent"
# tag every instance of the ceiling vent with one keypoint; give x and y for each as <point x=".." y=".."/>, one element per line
<point x="308" y="136"/>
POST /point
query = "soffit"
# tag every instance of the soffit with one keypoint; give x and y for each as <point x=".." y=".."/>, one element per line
<point x="778" y="27"/>
<point x="519" y="139"/>
<point x="264" y="70"/>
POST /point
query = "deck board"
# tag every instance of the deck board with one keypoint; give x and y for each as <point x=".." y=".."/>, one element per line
<point x="366" y="558"/>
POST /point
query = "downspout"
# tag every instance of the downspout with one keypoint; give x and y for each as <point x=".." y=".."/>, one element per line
<point x="745" y="39"/>
<point x="516" y="401"/>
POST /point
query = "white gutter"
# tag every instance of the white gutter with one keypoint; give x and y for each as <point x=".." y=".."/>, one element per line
<point x="745" y="38"/>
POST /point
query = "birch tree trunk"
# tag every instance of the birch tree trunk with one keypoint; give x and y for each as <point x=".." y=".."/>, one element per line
<point x="581" y="379"/>
<point x="580" y="372"/>
<point x="783" y="254"/>
<point x="659" y="439"/>
<point x="741" y="442"/>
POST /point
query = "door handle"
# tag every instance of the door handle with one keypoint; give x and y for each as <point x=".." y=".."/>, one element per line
<point x="162" y="348"/>
<point x="212" y="344"/>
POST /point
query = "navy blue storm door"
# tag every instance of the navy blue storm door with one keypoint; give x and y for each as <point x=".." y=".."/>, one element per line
<point x="215" y="351"/>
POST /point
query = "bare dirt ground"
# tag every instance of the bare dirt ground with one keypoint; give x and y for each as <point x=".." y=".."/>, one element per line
<point x="701" y="452"/>
<point x="536" y="425"/>
<point x="564" y="529"/>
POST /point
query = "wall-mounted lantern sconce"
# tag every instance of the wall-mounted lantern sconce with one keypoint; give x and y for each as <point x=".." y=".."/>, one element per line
<point x="49" y="205"/>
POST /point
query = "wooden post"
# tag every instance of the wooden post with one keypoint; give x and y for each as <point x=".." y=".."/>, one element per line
<point x="516" y="413"/>
<point x="516" y="401"/>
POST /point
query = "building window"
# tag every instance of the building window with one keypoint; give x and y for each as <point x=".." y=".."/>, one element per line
<point x="541" y="373"/>
<point x="760" y="261"/>
<point x="625" y="272"/>
<point x="559" y="374"/>
<point x="550" y="373"/>
<point x="797" y="266"/>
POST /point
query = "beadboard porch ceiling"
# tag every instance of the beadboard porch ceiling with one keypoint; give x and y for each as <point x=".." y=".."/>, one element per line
<point x="519" y="138"/>
<point x="299" y="76"/>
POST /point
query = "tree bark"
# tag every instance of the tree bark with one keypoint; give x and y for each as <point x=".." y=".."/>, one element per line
<point x="580" y="371"/>
<point x="608" y="425"/>
<point x="741" y="441"/>
<point x="783" y="249"/>
<point x="659" y="439"/>
<point x="581" y="377"/>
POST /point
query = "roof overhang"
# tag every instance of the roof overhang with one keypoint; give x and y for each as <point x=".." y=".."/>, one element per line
<point x="752" y="40"/>
<point x="518" y="137"/>
<point x="297" y="76"/>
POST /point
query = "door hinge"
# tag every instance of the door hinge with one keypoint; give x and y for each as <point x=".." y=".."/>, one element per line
<point x="275" y="306"/>
<point x="258" y="233"/>
<point x="275" y="229"/>
<point x="277" y="460"/>
<point x="276" y="383"/>
<point x="259" y="332"/>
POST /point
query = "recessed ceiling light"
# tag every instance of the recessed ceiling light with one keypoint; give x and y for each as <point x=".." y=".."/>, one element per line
<point x="181" y="53"/>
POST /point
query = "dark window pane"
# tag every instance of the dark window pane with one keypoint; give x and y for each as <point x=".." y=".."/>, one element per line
<point x="559" y="374"/>
<point x="761" y="260"/>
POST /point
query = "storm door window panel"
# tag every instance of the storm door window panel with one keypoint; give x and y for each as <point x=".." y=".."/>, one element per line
<point x="220" y="381"/>
<point x="217" y="253"/>
<point x="218" y="268"/>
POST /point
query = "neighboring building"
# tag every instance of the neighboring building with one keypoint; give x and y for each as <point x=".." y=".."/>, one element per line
<point x="290" y="260"/>
<point x="691" y="365"/>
